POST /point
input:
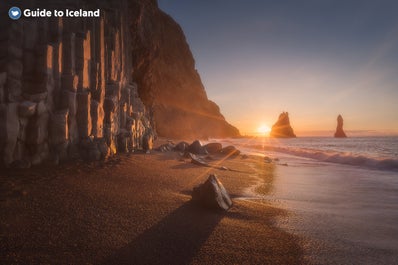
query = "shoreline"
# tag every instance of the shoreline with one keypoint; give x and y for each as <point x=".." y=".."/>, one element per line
<point x="346" y="210"/>
<point x="136" y="208"/>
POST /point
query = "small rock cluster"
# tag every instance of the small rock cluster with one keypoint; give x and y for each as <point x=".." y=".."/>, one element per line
<point x="197" y="148"/>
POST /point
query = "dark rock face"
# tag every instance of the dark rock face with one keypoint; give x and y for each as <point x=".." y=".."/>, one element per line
<point x="212" y="195"/>
<point x="181" y="147"/>
<point x="66" y="82"/>
<point x="164" y="69"/>
<point x="197" y="160"/>
<point x="230" y="151"/>
<point x="165" y="147"/>
<point x="282" y="128"/>
<point x="213" y="148"/>
<point x="65" y="85"/>
<point x="197" y="148"/>
<point x="339" y="130"/>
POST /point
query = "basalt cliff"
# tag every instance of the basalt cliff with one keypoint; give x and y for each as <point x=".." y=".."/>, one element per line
<point x="92" y="87"/>
<point x="168" y="82"/>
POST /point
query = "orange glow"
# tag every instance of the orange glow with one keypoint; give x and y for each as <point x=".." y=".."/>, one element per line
<point x="263" y="129"/>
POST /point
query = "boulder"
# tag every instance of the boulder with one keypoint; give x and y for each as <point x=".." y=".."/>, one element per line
<point x="282" y="127"/>
<point x="212" y="194"/>
<point x="339" y="130"/>
<point x="230" y="151"/>
<point x="166" y="147"/>
<point x="197" y="160"/>
<point x="213" y="148"/>
<point x="197" y="148"/>
<point x="181" y="146"/>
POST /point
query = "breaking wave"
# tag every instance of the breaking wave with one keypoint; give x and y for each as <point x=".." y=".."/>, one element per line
<point x="336" y="157"/>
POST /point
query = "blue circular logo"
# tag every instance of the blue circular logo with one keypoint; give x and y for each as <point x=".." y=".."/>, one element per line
<point x="14" y="13"/>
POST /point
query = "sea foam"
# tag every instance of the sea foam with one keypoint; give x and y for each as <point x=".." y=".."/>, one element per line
<point x="379" y="153"/>
<point x="336" y="157"/>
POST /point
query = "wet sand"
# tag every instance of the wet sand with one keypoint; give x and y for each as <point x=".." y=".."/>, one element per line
<point x="348" y="215"/>
<point x="135" y="209"/>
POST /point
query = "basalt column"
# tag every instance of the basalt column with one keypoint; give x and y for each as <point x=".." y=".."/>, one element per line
<point x="65" y="87"/>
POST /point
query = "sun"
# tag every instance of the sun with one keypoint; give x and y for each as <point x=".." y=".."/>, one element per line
<point x="263" y="129"/>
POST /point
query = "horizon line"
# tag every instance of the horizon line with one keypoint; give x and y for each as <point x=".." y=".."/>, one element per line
<point x="330" y="133"/>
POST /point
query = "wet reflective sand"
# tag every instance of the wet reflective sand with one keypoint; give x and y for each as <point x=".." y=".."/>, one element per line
<point x="346" y="214"/>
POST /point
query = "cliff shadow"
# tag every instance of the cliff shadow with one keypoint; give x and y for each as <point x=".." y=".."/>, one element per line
<point x="176" y="239"/>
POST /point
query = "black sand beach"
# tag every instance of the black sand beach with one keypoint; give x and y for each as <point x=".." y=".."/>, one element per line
<point x="136" y="209"/>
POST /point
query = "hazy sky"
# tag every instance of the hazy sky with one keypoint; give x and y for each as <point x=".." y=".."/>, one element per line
<point x="314" y="59"/>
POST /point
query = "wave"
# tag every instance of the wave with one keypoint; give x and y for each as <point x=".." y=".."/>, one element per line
<point x="336" y="157"/>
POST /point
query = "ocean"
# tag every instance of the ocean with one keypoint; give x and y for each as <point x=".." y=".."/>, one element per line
<point x="341" y="195"/>
<point x="368" y="152"/>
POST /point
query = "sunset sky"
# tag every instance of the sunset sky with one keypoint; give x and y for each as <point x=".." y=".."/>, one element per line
<point x="315" y="59"/>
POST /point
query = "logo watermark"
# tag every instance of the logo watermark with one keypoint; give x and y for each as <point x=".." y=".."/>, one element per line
<point x="14" y="13"/>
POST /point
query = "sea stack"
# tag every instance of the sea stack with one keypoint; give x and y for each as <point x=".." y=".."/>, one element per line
<point x="282" y="128"/>
<point x="339" y="130"/>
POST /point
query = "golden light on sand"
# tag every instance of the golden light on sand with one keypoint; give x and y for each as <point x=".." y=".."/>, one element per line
<point x="263" y="129"/>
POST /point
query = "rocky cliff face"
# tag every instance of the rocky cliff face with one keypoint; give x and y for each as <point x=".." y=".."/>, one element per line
<point x="168" y="82"/>
<point x="282" y="127"/>
<point x="65" y="85"/>
<point x="68" y="86"/>
<point x="339" y="130"/>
